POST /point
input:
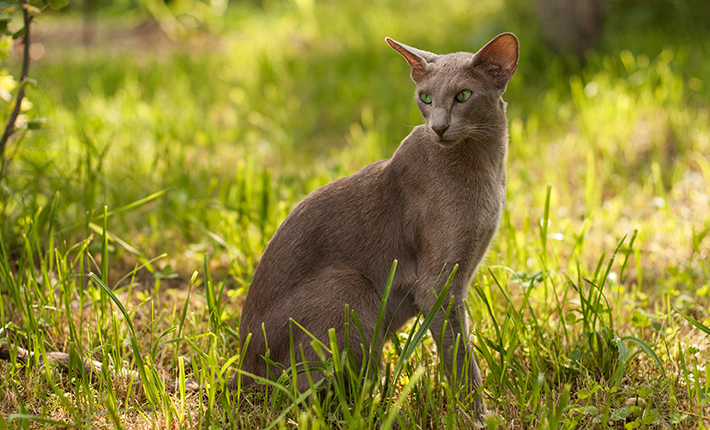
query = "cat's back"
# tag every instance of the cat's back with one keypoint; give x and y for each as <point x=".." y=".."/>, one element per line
<point x="334" y="225"/>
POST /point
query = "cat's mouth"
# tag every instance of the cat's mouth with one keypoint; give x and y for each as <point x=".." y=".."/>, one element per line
<point x="443" y="141"/>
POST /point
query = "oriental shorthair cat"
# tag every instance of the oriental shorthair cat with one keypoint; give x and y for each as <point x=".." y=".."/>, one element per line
<point x="435" y="204"/>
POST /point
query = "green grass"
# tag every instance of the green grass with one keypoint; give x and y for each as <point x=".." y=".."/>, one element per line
<point x="132" y="223"/>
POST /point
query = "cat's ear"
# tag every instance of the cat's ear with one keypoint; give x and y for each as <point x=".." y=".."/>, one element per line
<point x="418" y="60"/>
<point x="498" y="59"/>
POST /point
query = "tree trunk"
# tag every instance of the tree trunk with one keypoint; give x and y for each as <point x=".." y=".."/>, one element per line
<point x="88" y="34"/>
<point x="571" y="25"/>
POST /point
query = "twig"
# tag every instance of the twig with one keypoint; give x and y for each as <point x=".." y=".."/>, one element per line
<point x="91" y="368"/>
<point x="10" y="128"/>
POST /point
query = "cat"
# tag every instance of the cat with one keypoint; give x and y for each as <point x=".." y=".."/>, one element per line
<point x="435" y="204"/>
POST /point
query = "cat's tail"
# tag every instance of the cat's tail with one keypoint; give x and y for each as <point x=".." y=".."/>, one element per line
<point x="91" y="368"/>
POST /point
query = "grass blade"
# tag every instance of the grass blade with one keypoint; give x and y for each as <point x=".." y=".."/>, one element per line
<point x="648" y="350"/>
<point x="700" y="326"/>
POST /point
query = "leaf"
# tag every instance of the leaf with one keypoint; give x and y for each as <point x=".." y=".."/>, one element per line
<point x="3" y="24"/>
<point x="588" y="410"/>
<point x="29" y="82"/>
<point x="677" y="417"/>
<point x="640" y="319"/>
<point x="36" y="124"/>
<point x="620" y="414"/>
<point x="58" y="4"/>
<point x="650" y="417"/>
<point x="644" y="392"/>
<point x="19" y="33"/>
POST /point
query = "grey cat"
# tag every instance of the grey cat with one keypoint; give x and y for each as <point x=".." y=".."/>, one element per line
<point x="437" y="202"/>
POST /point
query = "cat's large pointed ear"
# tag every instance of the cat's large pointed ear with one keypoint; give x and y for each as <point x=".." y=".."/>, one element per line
<point x="498" y="59"/>
<point x="418" y="60"/>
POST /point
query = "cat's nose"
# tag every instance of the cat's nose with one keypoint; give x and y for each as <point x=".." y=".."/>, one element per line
<point x="439" y="129"/>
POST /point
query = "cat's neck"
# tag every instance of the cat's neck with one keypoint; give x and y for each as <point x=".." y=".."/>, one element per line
<point x="421" y="163"/>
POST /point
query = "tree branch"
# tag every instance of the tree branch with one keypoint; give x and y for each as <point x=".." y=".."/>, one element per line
<point x="10" y="127"/>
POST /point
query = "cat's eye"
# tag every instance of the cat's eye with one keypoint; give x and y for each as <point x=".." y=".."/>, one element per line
<point x="463" y="95"/>
<point x="426" y="98"/>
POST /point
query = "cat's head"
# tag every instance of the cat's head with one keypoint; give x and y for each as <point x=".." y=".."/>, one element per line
<point x="460" y="94"/>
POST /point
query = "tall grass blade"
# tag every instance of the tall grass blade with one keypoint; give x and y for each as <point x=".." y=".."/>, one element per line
<point x="545" y="223"/>
<point x="376" y="346"/>
<point x="107" y="237"/>
<point x="648" y="350"/>
<point x="104" y="251"/>
<point x="142" y="368"/>
<point x="414" y="341"/>
<point x="700" y="326"/>
<point x="404" y="395"/>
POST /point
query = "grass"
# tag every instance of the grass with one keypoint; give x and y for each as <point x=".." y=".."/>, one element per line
<point x="132" y="223"/>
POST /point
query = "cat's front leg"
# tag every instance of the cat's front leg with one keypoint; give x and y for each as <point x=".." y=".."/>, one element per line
<point x="454" y="348"/>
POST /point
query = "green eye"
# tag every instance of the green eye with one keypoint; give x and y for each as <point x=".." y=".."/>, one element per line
<point x="426" y="98"/>
<point x="463" y="95"/>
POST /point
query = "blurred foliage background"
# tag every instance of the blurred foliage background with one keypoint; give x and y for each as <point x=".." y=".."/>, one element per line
<point x="191" y="128"/>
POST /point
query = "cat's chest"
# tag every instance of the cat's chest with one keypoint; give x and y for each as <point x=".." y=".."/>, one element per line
<point x="475" y="192"/>
<point x="459" y="192"/>
<point x="480" y="208"/>
<point x="465" y="211"/>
